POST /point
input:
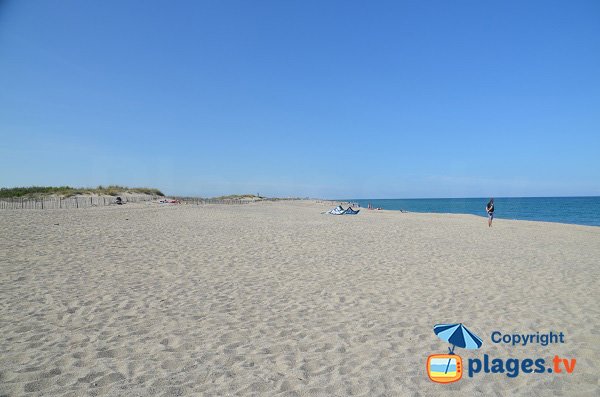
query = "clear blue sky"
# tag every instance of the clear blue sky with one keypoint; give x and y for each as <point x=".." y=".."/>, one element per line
<point x="311" y="98"/>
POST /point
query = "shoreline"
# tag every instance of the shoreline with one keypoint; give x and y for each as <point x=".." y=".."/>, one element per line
<point x="145" y="200"/>
<point x="483" y="217"/>
<point x="564" y="210"/>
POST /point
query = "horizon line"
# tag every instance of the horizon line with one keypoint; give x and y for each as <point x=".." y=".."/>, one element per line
<point x="473" y="197"/>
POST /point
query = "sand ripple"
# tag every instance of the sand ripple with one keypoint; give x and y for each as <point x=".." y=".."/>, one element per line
<point x="277" y="299"/>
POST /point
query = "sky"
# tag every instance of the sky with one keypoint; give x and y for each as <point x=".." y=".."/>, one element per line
<point x="329" y="99"/>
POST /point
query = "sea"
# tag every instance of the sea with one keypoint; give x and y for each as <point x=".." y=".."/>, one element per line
<point x="574" y="210"/>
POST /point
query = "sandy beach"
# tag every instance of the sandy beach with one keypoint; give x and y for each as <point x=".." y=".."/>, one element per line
<point x="275" y="298"/>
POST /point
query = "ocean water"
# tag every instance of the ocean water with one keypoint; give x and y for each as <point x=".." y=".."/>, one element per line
<point x="575" y="210"/>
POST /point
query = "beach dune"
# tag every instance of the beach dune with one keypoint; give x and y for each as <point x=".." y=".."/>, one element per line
<point x="275" y="298"/>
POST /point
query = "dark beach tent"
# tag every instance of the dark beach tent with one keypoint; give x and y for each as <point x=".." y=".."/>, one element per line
<point x="350" y="211"/>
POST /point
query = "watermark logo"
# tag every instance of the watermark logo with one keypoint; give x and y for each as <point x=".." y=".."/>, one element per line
<point x="444" y="368"/>
<point x="448" y="368"/>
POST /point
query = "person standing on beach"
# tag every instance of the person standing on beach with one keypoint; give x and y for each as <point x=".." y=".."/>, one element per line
<point x="490" y="210"/>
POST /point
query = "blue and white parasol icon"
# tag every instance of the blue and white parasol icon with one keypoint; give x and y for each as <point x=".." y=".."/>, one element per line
<point x="457" y="335"/>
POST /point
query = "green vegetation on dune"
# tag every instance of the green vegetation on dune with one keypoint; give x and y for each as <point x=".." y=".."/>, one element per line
<point x="67" y="191"/>
<point x="239" y="197"/>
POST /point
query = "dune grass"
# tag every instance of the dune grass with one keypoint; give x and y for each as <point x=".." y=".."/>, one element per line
<point x="239" y="197"/>
<point x="68" y="191"/>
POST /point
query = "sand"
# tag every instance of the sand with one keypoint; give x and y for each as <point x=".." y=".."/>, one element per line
<point x="274" y="298"/>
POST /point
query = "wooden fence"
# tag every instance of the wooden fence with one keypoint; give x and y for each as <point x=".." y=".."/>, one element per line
<point x="202" y="201"/>
<point x="99" y="201"/>
<point x="69" y="202"/>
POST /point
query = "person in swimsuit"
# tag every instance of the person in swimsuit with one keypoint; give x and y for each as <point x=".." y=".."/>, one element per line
<point x="490" y="210"/>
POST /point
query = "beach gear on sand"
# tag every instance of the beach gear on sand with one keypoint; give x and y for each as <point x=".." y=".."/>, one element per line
<point x="167" y="201"/>
<point x="339" y="210"/>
